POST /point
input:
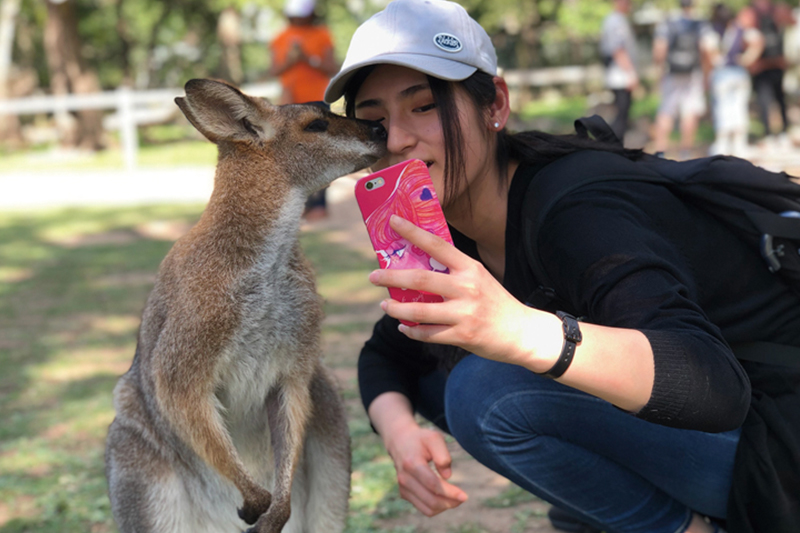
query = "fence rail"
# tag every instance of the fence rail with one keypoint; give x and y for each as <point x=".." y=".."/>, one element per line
<point x="133" y="108"/>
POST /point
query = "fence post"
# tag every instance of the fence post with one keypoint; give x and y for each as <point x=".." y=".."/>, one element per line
<point x="127" y="127"/>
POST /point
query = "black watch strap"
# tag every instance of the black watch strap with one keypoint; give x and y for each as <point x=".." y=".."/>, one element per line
<point x="572" y="336"/>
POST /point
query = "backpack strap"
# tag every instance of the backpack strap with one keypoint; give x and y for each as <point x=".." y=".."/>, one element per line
<point x="768" y="352"/>
<point x="598" y="127"/>
<point x="787" y="227"/>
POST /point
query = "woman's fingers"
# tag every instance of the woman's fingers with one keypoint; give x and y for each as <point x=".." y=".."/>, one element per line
<point x="430" y="494"/>
<point x="419" y="482"/>
<point x="416" y="279"/>
<point x="438" y="248"/>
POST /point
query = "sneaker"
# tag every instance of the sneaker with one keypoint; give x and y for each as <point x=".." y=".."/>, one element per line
<point x="563" y="521"/>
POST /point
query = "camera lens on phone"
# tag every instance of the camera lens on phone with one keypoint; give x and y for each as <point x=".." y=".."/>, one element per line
<point x="369" y="185"/>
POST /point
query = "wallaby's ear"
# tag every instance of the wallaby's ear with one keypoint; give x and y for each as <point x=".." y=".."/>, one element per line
<point x="222" y="112"/>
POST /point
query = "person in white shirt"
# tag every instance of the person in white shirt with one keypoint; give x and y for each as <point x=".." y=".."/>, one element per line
<point x="618" y="50"/>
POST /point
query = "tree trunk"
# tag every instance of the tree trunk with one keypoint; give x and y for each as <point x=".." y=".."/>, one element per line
<point x="10" y="131"/>
<point x="68" y="74"/>
<point x="229" y="34"/>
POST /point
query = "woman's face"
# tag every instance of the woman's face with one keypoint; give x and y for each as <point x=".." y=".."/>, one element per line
<point x="402" y="100"/>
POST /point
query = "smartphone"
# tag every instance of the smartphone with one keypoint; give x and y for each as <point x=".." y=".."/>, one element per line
<point x="406" y="190"/>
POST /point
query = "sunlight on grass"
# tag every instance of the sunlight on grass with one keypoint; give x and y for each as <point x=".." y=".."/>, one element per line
<point x="179" y="153"/>
<point x="69" y="365"/>
<point x="14" y="274"/>
<point x="349" y="287"/>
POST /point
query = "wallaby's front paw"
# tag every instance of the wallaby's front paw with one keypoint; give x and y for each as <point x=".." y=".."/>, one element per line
<point x="274" y="520"/>
<point x="254" y="508"/>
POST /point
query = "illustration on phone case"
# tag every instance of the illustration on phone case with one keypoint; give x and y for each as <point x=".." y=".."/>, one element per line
<point x="413" y="198"/>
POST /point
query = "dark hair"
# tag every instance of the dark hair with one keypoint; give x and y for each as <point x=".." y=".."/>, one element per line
<point x="721" y="15"/>
<point x="526" y="147"/>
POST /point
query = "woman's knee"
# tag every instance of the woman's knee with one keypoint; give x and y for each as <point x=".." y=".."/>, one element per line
<point x="489" y="403"/>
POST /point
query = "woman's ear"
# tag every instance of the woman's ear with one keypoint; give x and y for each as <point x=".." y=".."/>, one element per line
<point x="500" y="109"/>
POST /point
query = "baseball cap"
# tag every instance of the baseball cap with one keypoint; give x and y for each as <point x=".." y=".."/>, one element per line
<point x="436" y="37"/>
<point x="299" y="8"/>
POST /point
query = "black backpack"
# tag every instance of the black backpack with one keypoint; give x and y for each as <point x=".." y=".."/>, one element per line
<point x="762" y="207"/>
<point x="683" y="54"/>
<point x="764" y="496"/>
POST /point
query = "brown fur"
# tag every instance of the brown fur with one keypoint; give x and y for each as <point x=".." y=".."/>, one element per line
<point x="227" y="393"/>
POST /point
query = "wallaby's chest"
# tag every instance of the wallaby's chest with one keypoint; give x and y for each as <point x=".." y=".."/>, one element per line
<point x="278" y="329"/>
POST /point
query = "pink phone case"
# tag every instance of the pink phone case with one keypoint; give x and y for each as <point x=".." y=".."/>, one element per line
<point x="406" y="190"/>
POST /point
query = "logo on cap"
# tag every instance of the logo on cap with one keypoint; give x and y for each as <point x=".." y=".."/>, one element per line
<point x="447" y="42"/>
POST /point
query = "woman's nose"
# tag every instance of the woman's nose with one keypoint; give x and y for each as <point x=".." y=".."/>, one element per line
<point x="399" y="138"/>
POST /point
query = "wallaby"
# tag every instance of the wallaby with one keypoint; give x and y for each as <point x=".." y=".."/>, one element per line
<point x="227" y="395"/>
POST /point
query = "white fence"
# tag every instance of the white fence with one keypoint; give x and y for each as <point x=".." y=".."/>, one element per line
<point x="132" y="109"/>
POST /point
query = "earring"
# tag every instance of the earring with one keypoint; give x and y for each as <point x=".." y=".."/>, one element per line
<point x="497" y="125"/>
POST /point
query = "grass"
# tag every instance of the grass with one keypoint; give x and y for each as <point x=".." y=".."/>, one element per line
<point x="159" y="146"/>
<point x="73" y="283"/>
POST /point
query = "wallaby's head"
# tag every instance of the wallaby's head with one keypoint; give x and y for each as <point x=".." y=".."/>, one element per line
<point x="306" y="143"/>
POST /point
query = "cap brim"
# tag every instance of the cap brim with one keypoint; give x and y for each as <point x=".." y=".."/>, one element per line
<point x="446" y="69"/>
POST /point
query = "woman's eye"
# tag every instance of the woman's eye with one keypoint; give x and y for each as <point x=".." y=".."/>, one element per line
<point x="426" y="108"/>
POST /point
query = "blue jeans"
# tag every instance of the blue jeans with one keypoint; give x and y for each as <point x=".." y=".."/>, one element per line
<point x="610" y="469"/>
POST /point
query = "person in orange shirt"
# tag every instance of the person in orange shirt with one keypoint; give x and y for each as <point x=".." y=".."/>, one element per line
<point x="302" y="57"/>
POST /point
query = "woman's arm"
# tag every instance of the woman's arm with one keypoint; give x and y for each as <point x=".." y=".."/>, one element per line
<point x="479" y="315"/>
<point x="755" y="46"/>
<point x="389" y="368"/>
<point x="621" y="273"/>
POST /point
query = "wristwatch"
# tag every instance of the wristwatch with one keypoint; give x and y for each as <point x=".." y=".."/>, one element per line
<point x="572" y="336"/>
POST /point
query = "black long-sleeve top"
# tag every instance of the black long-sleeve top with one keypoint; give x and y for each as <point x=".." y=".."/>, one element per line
<point x="632" y="256"/>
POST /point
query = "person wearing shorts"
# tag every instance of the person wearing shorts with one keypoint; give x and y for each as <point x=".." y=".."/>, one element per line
<point x="682" y="93"/>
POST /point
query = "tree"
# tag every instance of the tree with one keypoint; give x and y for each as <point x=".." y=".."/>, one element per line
<point x="69" y="74"/>
<point x="9" y="125"/>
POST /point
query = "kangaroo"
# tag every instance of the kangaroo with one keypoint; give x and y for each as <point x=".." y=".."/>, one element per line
<point x="227" y="394"/>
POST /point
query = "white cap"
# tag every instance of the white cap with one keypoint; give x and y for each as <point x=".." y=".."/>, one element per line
<point x="299" y="8"/>
<point x="436" y="37"/>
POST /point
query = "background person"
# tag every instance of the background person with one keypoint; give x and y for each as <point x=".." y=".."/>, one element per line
<point x="618" y="50"/>
<point x="768" y="71"/>
<point x="639" y="432"/>
<point x="739" y="44"/>
<point x="303" y="59"/>
<point x="680" y="49"/>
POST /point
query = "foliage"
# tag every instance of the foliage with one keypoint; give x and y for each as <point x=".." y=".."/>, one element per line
<point x="155" y="43"/>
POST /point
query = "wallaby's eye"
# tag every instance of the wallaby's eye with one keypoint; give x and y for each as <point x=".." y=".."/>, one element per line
<point x="317" y="126"/>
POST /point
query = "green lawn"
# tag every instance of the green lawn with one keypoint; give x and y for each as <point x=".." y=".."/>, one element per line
<point x="72" y="286"/>
<point x="159" y="146"/>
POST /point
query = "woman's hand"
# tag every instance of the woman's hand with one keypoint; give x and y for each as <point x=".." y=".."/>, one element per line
<point x="415" y="452"/>
<point x="477" y="314"/>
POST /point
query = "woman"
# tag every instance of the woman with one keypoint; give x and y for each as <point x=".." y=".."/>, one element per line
<point x="634" y="424"/>
<point x="739" y="45"/>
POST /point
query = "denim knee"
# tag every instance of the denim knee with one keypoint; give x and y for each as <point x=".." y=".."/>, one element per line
<point x="480" y="408"/>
